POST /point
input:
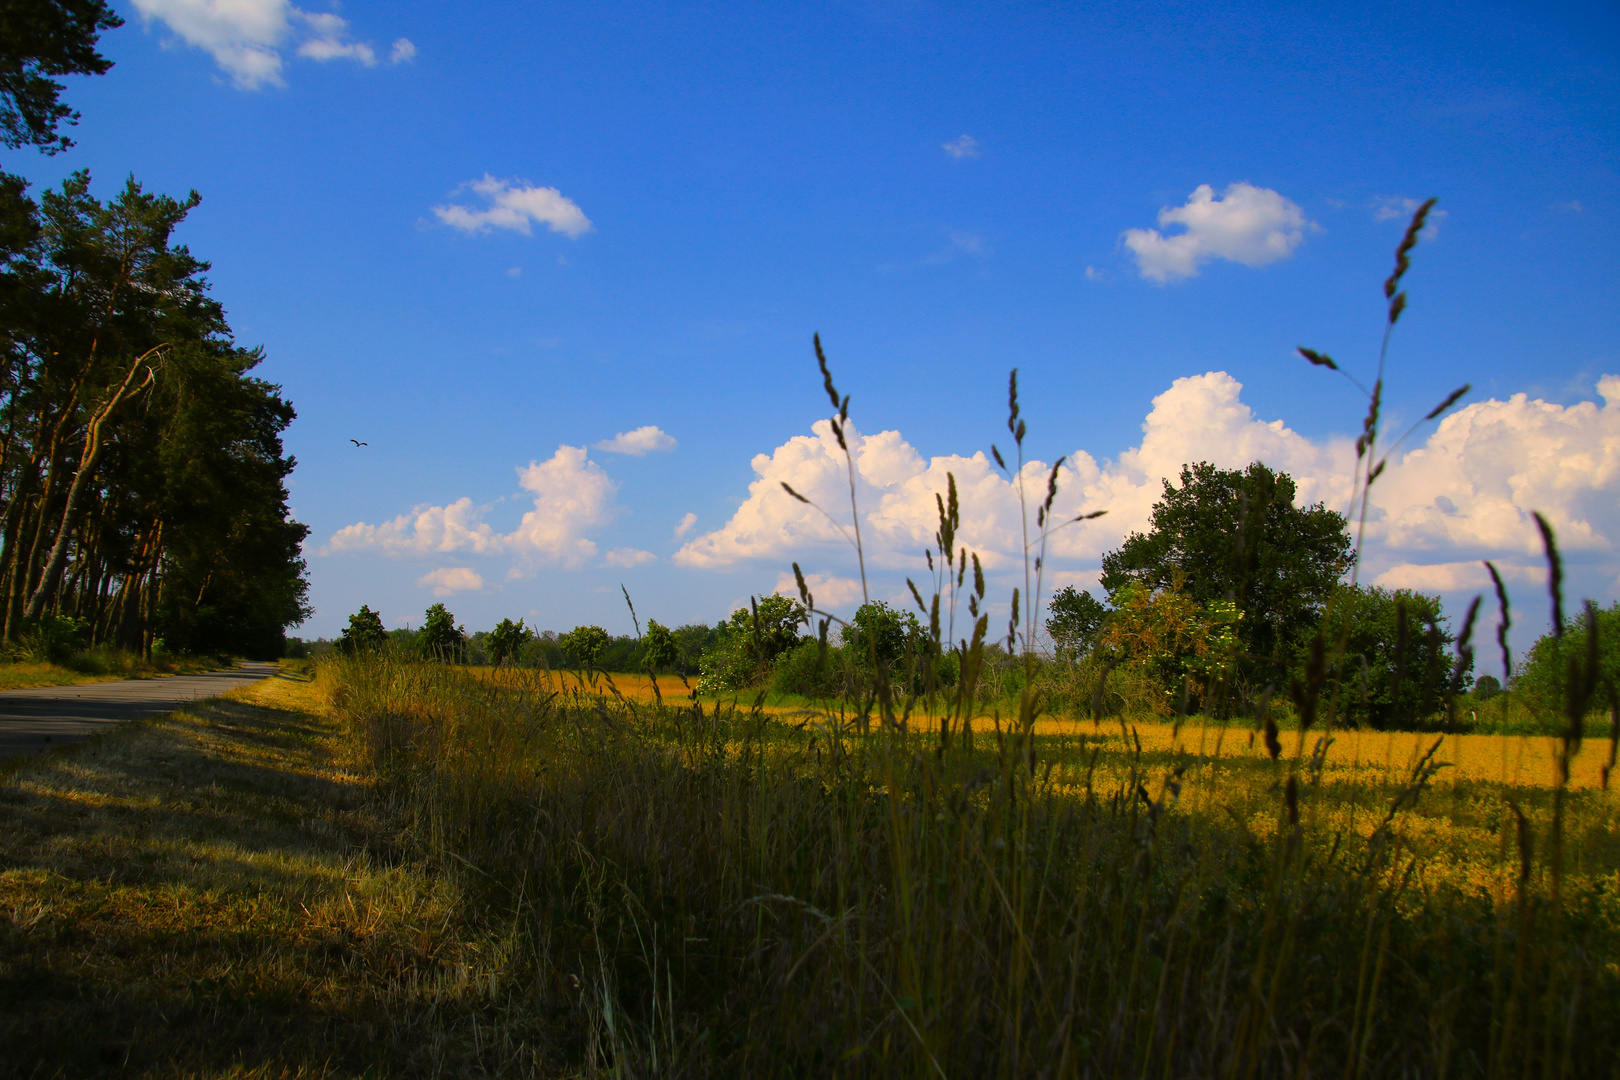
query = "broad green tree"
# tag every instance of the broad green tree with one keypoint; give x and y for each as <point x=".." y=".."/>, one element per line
<point x="744" y="646"/>
<point x="585" y="644"/>
<point x="1393" y="677"/>
<point x="1557" y="660"/>
<point x="1236" y="535"/>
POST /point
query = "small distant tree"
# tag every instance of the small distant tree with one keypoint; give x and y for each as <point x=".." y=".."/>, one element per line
<point x="1185" y="647"/>
<point x="1393" y="678"/>
<point x="659" y="650"/>
<point x="882" y="632"/>
<point x="440" y="638"/>
<point x="743" y="646"/>
<point x="1074" y="619"/>
<point x="365" y="633"/>
<point x="585" y="644"/>
<point x="506" y="640"/>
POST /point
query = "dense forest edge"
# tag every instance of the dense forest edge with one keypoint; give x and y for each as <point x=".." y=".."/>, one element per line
<point x="142" y="472"/>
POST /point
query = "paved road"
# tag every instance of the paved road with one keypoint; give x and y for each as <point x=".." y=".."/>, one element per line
<point x="32" y="720"/>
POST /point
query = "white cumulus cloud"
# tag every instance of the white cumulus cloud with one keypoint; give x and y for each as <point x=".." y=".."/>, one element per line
<point x="640" y="442"/>
<point x="684" y="526"/>
<point x="1245" y="224"/>
<point x="448" y="580"/>
<point x="516" y="205"/>
<point x="246" y="37"/>
<point x="573" y="498"/>
<point x="1465" y="494"/>
<point x="403" y="52"/>
<point x="963" y="146"/>
<point x="829" y="591"/>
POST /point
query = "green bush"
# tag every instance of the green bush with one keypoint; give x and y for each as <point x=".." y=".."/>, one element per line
<point x="802" y="670"/>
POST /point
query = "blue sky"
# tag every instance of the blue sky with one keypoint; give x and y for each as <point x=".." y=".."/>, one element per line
<point x="690" y="191"/>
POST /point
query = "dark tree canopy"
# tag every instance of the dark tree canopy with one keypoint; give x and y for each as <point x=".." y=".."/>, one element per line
<point x="142" y="474"/>
<point x="659" y="649"/>
<point x="440" y="638"/>
<point x="585" y="644"/>
<point x="1073" y="620"/>
<point x="878" y="631"/>
<point x="40" y="41"/>
<point x="1388" y="684"/>
<point x="1237" y="535"/>
<point x="364" y="633"/>
<point x="506" y="640"/>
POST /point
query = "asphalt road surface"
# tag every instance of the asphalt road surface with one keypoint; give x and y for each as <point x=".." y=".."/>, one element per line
<point x="34" y="720"/>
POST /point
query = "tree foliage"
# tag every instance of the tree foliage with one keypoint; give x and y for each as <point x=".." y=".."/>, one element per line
<point x="1073" y="621"/>
<point x="142" y="472"/>
<point x="744" y="646"/>
<point x="1393" y="676"/>
<point x="440" y="638"/>
<point x="878" y="633"/>
<point x="40" y="41"/>
<point x="506" y="641"/>
<point x="1236" y="535"/>
<point x="364" y="633"/>
<point x="659" y="650"/>
<point x="585" y="644"/>
<point x="1547" y="671"/>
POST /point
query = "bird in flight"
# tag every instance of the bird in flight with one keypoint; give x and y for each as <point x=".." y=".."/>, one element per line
<point x="357" y="442"/>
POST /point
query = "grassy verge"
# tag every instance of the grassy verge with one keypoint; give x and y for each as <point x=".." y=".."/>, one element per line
<point x="219" y="894"/>
<point x="102" y="665"/>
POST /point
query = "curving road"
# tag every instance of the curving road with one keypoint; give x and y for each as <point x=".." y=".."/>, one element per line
<point x="34" y="720"/>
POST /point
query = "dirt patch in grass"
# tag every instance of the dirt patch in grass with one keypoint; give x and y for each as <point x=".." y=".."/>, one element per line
<point x="218" y="894"/>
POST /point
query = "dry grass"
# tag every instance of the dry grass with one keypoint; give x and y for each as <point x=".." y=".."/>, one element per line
<point x="218" y="894"/>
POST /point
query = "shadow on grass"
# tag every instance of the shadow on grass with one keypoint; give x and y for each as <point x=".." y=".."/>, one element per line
<point x="214" y="894"/>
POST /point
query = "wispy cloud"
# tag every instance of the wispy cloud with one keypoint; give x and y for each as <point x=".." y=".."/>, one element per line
<point x="964" y="146"/>
<point x="1401" y="208"/>
<point x="684" y="526"/>
<point x="1245" y="224"/>
<point x="640" y="442"/>
<point x="515" y="205"/>
<point x="628" y="558"/>
<point x="246" y="37"/>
